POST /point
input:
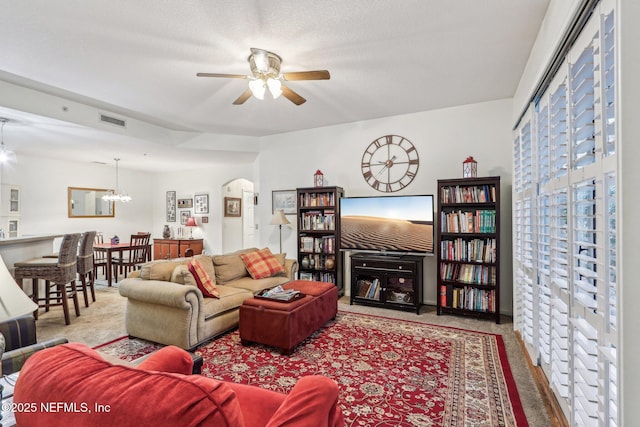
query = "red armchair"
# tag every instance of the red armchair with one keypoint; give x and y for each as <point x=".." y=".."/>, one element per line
<point x="73" y="385"/>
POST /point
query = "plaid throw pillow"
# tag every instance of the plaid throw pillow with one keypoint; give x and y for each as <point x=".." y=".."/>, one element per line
<point x="205" y="284"/>
<point x="261" y="264"/>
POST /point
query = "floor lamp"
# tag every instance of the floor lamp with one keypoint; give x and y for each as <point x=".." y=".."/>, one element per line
<point x="279" y="219"/>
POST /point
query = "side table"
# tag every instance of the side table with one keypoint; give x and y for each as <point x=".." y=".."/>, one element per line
<point x="8" y="416"/>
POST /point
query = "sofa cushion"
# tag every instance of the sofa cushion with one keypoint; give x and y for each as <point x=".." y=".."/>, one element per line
<point x="183" y="276"/>
<point x="158" y="270"/>
<point x="230" y="266"/>
<point x="258" y="285"/>
<point x="261" y="264"/>
<point x="230" y="299"/>
<point x="205" y="283"/>
<point x="76" y="373"/>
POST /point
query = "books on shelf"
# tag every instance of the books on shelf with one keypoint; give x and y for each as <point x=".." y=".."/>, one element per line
<point x="369" y="289"/>
<point x="474" y="250"/>
<point x="317" y="199"/>
<point x="468" y="194"/>
<point x="318" y="220"/>
<point x="323" y="244"/>
<point x="478" y="221"/>
<point x="472" y="299"/>
<point x="468" y="273"/>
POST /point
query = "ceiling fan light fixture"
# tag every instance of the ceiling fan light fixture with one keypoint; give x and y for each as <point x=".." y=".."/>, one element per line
<point x="257" y="87"/>
<point x="275" y="87"/>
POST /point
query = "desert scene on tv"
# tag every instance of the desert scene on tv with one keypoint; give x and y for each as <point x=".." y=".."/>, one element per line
<point x="385" y="234"/>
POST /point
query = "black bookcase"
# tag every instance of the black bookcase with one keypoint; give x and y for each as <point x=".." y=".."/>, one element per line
<point x="319" y="257"/>
<point x="468" y="247"/>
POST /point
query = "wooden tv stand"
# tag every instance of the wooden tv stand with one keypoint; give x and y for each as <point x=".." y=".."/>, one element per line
<point x="387" y="281"/>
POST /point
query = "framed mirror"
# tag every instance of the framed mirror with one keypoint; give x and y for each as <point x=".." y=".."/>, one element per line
<point x="88" y="203"/>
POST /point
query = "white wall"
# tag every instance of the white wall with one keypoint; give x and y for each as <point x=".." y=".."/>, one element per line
<point x="187" y="184"/>
<point x="44" y="185"/>
<point x="443" y="138"/>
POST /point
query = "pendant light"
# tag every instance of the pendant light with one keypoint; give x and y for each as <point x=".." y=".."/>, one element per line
<point x="116" y="195"/>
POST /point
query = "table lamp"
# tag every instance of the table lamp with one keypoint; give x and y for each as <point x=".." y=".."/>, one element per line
<point x="279" y="219"/>
<point x="13" y="302"/>
<point x="191" y="222"/>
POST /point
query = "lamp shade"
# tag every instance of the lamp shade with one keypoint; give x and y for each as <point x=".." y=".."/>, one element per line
<point x="191" y="222"/>
<point x="13" y="301"/>
<point x="279" y="218"/>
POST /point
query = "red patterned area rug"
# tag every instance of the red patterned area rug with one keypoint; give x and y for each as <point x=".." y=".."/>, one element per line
<point x="390" y="372"/>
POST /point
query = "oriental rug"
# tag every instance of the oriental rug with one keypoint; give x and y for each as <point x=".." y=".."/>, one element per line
<point x="390" y="372"/>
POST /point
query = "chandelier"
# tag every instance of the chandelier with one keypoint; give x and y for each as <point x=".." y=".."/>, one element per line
<point x="116" y="195"/>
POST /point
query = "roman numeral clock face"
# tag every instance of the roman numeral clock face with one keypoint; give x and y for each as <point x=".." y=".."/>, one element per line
<point x="390" y="163"/>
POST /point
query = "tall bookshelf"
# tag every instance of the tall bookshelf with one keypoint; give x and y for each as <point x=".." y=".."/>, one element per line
<point x="319" y="257"/>
<point x="467" y="241"/>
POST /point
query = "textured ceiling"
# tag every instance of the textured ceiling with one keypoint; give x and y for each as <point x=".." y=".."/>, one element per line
<point x="139" y="59"/>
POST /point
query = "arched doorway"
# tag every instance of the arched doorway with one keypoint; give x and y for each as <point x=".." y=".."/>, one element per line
<point x="238" y="232"/>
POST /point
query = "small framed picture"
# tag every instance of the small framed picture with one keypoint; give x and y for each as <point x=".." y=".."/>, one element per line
<point x="184" y="216"/>
<point x="185" y="203"/>
<point x="201" y="204"/>
<point x="285" y="200"/>
<point x="232" y="206"/>
<point x="306" y="276"/>
<point x="205" y="219"/>
<point x="171" y="206"/>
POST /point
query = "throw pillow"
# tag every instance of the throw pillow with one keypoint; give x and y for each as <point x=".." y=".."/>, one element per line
<point x="261" y="264"/>
<point x="205" y="284"/>
<point x="168" y="359"/>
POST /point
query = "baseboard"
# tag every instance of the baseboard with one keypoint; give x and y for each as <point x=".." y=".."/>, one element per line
<point x="548" y="398"/>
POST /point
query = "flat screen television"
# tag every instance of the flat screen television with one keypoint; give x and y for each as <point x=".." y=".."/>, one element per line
<point x="387" y="224"/>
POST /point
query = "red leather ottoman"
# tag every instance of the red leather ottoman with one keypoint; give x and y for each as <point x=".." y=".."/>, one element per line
<point x="286" y="324"/>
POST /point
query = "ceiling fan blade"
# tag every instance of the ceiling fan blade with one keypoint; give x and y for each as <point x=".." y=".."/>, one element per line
<point x="228" y="76"/>
<point x="242" y="98"/>
<point x="307" y="75"/>
<point x="292" y="96"/>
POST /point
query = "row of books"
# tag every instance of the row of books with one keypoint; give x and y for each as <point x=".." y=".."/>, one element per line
<point x="318" y="277"/>
<point x="369" y="289"/>
<point x="474" y="250"/>
<point x="469" y="299"/>
<point x="468" y="273"/>
<point x="317" y="220"/>
<point x="473" y="194"/>
<point x="317" y="199"/>
<point x="479" y="221"/>
<point x="324" y="244"/>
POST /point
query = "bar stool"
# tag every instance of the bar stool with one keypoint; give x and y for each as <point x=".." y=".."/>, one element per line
<point x="85" y="265"/>
<point x="56" y="273"/>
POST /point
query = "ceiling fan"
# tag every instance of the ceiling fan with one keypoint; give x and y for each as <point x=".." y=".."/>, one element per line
<point x="265" y="69"/>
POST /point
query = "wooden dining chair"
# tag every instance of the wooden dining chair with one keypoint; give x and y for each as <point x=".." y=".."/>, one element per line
<point x="133" y="257"/>
<point x="99" y="258"/>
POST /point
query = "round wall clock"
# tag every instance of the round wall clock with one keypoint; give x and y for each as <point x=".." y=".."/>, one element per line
<point x="390" y="163"/>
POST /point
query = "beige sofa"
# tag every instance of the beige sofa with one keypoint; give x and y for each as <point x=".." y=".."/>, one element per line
<point x="164" y="304"/>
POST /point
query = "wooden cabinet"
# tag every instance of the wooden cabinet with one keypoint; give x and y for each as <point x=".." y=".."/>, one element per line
<point x="468" y="240"/>
<point x="175" y="248"/>
<point x="319" y="257"/>
<point x="388" y="281"/>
